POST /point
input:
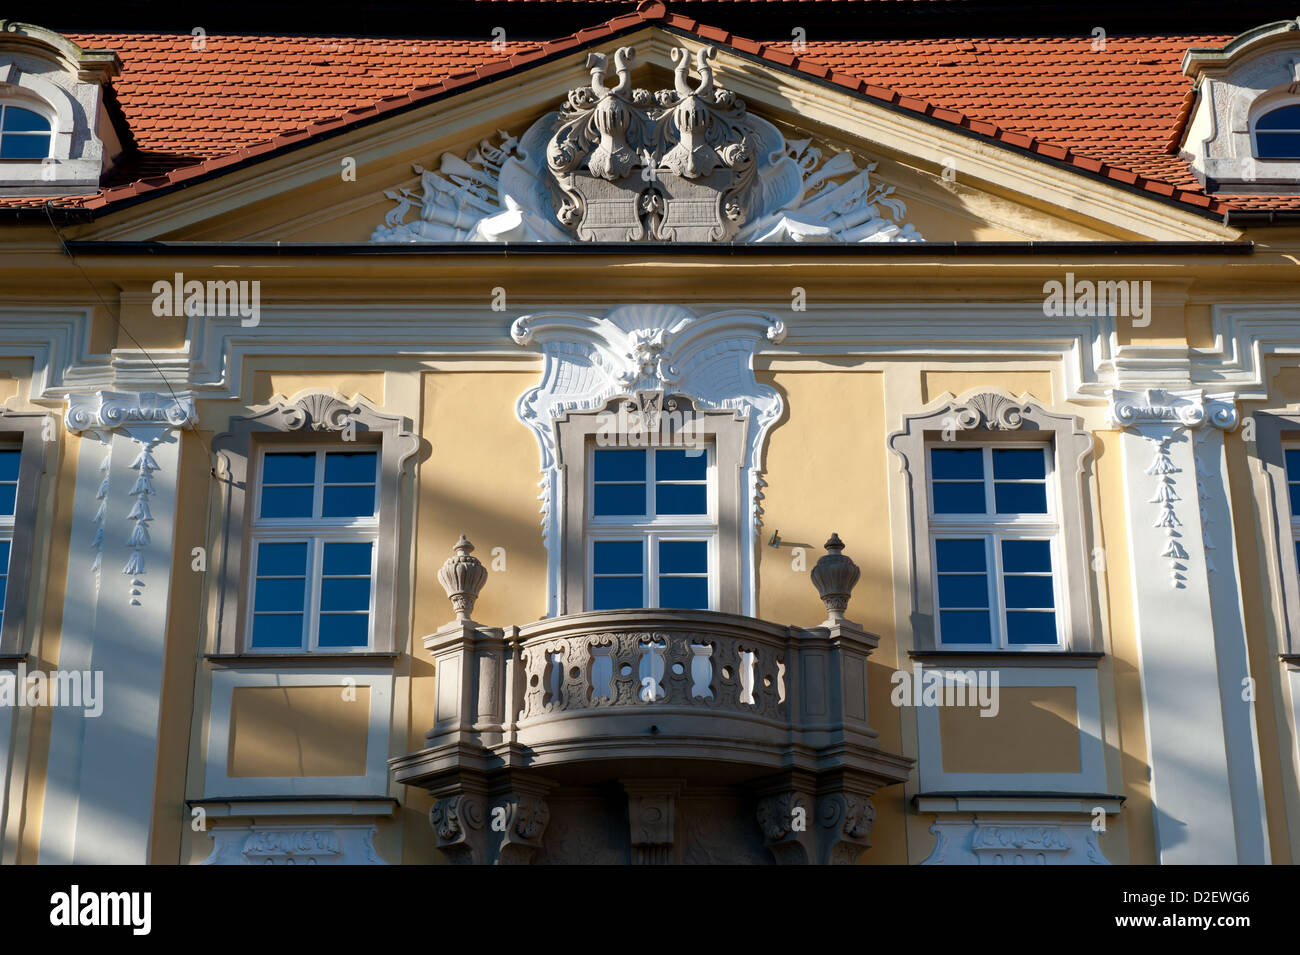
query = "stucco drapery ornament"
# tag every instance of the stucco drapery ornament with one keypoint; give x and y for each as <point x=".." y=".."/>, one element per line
<point x="835" y="576"/>
<point x="633" y="350"/>
<point x="463" y="577"/>
<point x="618" y="164"/>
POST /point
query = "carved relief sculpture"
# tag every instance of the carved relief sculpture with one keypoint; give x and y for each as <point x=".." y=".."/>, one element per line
<point x="619" y="164"/>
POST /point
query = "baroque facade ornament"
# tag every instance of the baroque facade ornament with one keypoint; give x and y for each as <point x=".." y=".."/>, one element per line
<point x="640" y="351"/>
<point x="618" y="164"/>
<point x="1167" y="419"/>
<point x="144" y="418"/>
<point x="991" y="411"/>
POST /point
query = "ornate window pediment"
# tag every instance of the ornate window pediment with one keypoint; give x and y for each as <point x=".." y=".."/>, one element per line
<point x="617" y="164"/>
<point x="643" y="364"/>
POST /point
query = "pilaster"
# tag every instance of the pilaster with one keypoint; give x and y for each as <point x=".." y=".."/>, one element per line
<point x="100" y="785"/>
<point x="1190" y="631"/>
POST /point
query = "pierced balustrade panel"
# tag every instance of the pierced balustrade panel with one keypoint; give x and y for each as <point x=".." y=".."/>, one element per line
<point x="602" y="670"/>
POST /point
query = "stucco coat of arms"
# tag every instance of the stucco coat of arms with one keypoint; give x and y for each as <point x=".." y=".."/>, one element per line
<point x="617" y="164"/>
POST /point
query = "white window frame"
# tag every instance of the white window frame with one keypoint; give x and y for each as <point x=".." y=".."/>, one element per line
<point x="993" y="529"/>
<point x="1266" y="107"/>
<point x="316" y="532"/>
<point x="1293" y="560"/>
<point x="8" y="523"/>
<point x="41" y="109"/>
<point x="649" y="530"/>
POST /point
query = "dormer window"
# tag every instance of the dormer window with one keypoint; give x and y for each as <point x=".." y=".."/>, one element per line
<point x="24" y="133"/>
<point x="1277" y="133"/>
<point x="1243" y="134"/>
<point x="56" y="135"/>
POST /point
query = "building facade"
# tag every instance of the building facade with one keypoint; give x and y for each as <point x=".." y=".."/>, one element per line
<point x="653" y="444"/>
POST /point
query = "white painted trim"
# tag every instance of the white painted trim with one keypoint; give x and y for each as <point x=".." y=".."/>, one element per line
<point x="218" y="785"/>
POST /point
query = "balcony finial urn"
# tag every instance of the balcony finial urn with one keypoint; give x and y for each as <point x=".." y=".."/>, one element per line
<point x="835" y="576"/>
<point x="462" y="576"/>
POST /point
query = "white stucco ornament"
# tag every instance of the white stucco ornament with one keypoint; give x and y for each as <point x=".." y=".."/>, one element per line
<point x="617" y="164"/>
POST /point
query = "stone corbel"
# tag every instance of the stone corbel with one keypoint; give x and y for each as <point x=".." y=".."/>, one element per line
<point x="524" y="817"/>
<point x="651" y="816"/>
<point x="844" y="823"/>
<point x="786" y="820"/>
<point x="458" y="824"/>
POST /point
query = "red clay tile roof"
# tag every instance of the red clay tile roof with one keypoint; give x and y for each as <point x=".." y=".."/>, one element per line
<point x="1111" y="114"/>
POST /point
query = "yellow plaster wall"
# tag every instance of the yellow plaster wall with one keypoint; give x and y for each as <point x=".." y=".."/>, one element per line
<point x="58" y="495"/>
<point x="1037" y="384"/>
<point x="826" y="470"/>
<point x="1036" y="730"/>
<point x="367" y="384"/>
<point x="298" y="731"/>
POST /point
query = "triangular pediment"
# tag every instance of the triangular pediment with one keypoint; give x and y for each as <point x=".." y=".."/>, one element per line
<point x="685" y="141"/>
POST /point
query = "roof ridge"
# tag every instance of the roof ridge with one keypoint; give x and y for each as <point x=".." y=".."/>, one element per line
<point x="651" y="12"/>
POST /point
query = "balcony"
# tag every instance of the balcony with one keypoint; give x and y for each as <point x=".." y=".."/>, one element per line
<point x="616" y="736"/>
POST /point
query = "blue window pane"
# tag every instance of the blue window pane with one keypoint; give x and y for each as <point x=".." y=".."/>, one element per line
<point x="1019" y="463"/>
<point x="1297" y="553"/>
<point x="344" y="630"/>
<point x="959" y="498"/>
<point x="282" y="560"/>
<point x="965" y="626"/>
<point x="347" y="559"/>
<point x="18" y="119"/>
<point x="616" y="593"/>
<point x="684" y="593"/>
<point x="1024" y="592"/>
<point x="1031" y="627"/>
<point x="277" y="630"/>
<point x="617" y="557"/>
<point x="1284" y="117"/>
<point x="4" y="556"/>
<point x="348" y="500"/>
<point x="963" y="590"/>
<point x="959" y="555"/>
<point x="681" y="499"/>
<point x="1293" y="465"/>
<point x="1020" y="498"/>
<point x="350" y="467"/>
<point x="297" y="467"/>
<point x="949" y="463"/>
<point x="8" y="494"/>
<point x="618" y="499"/>
<point x="1294" y="491"/>
<point x="9" y="465"/>
<point x="1273" y="145"/>
<point x="345" y="593"/>
<point x="4" y="589"/>
<point x="1027" y="557"/>
<point x="280" y="594"/>
<point x="620" y="465"/>
<point x="24" y="147"/>
<point x="286" y="501"/>
<point x="681" y="465"/>
<point x="683" y="557"/>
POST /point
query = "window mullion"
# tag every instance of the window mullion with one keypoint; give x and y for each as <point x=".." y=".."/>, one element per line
<point x="998" y="607"/>
<point x="318" y="488"/>
<point x="650" y="592"/>
<point x="314" y="566"/>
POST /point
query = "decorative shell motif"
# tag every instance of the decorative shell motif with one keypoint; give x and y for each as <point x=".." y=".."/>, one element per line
<point x="319" y="412"/>
<point x="992" y="411"/>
